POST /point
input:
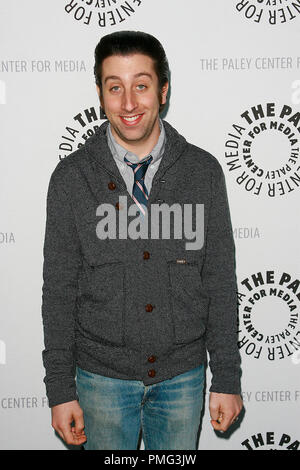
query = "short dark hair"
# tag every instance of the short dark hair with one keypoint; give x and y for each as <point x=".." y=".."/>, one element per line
<point x="132" y="42"/>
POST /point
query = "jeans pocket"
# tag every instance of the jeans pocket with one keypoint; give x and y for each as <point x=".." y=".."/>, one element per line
<point x="84" y="373"/>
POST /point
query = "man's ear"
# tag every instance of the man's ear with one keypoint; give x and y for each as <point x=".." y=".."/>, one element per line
<point x="100" y="95"/>
<point x="164" y="93"/>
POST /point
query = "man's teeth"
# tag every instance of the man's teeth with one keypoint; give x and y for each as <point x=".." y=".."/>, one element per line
<point x="133" y="118"/>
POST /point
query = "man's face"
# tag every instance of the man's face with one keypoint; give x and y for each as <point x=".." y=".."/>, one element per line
<point x="130" y="98"/>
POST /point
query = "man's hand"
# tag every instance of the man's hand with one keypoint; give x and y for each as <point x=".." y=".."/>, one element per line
<point x="224" y="409"/>
<point x="62" y="417"/>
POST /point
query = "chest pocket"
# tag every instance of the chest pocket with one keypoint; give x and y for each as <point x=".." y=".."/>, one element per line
<point x="189" y="303"/>
<point x="101" y="310"/>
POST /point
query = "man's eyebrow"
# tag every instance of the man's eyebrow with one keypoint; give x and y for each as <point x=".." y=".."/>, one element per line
<point x="137" y="75"/>
<point x="143" y="73"/>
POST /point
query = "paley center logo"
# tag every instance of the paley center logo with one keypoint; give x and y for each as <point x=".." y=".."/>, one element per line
<point x="84" y="125"/>
<point x="186" y="221"/>
<point x="101" y="12"/>
<point x="269" y="326"/>
<point x="271" y="440"/>
<point x="272" y="12"/>
<point x="262" y="150"/>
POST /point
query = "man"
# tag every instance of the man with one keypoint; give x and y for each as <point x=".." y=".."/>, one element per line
<point x="128" y="320"/>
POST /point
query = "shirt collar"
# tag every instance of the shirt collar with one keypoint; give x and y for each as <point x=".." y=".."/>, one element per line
<point x="120" y="152"/>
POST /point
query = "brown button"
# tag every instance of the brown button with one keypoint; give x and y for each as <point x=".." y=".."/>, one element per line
<point x="146" y="255"/>
<point x="151" y="373"/>
<point x="149" y="308"/>
<point x="111" y="185"/>
<point x="151" y="358"/>
<point x="118" y="206"/>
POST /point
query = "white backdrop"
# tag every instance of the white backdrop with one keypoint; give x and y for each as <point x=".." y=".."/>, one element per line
<point x="235" y="91"/>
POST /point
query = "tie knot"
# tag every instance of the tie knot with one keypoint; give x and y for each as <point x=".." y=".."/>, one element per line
<point x="139" y="169"/>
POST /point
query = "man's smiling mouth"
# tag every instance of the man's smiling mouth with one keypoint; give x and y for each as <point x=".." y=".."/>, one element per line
<point x="130" y="120"/>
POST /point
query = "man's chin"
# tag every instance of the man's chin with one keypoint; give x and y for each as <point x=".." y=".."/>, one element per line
<point x="131" y="137"/>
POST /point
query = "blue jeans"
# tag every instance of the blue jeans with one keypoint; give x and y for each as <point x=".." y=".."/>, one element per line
<point x="115" y="411"/>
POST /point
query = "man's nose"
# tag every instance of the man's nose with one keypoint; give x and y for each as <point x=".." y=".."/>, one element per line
<point x="129" y="102"/>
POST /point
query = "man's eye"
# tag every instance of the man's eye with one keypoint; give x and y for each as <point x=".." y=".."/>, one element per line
<point x="141" y="87"/>
<point x="115" y="88"/>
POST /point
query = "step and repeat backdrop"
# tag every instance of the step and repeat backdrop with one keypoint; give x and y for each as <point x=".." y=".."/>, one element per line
<point x="235" y="91"/>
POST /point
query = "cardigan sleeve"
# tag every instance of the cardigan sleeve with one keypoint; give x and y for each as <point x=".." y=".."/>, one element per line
<point x="219" y="280"/>
<point x="62" y="260"/>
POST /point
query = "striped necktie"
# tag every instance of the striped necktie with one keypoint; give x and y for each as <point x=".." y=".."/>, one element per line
<point x="139" y="191"/>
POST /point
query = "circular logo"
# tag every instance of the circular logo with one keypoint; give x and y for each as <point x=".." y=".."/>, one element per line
<point x="101" y="12"/>
<point x="269" y="326"/>
<point x="84" y="125"/>
<point x="272" y="12"/>
<point x="271" y="441"/>
<point x="262" y="150"/>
